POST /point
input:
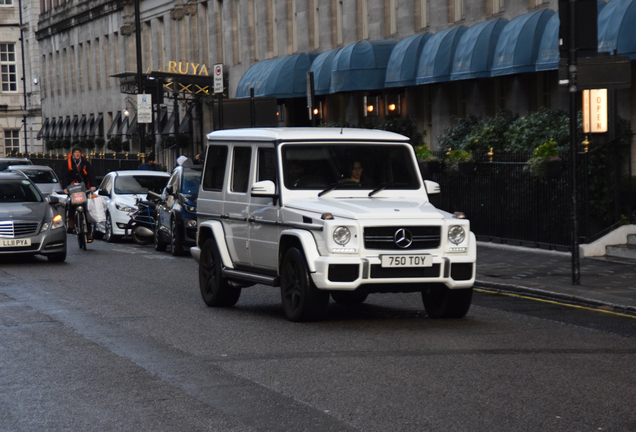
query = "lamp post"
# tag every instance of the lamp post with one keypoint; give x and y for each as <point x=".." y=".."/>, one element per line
<point x="140" y="83"/>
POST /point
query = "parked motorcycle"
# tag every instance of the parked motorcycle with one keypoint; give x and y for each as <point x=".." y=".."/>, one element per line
<point x="143" y="220"/>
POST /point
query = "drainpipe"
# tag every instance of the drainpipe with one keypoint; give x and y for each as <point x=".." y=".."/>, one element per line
<point x="24" y="117"/>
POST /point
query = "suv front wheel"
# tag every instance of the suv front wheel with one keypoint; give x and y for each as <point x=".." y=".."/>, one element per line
<point x="215" y="289"/>
<point x="302" y="301"/>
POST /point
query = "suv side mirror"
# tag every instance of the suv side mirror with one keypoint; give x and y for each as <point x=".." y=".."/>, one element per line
<point x="169" y="190"/>
<point x="264" y="188"/>
<point x="431" y="187"/>
<point x="102" y="192"/>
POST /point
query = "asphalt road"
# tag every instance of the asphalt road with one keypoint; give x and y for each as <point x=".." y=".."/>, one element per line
<point x="118" y="339"/>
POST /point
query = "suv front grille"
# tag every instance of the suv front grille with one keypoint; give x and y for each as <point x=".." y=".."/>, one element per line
<point x="18" y="228"/>
<point x="423" y="237"/>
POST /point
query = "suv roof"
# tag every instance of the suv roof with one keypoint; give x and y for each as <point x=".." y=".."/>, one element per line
<point x="305" y="134"/>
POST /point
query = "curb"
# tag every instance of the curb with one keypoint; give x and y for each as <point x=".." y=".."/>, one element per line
<point x="539" y="293"/>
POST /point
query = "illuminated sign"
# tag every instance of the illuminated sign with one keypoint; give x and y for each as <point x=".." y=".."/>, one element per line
<point x="595" y="111"/>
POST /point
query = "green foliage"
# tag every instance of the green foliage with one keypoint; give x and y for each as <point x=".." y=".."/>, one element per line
<point x="456" y="136"/>
<point x="183" y="140"/>
<point x="406" y="126"/>
<point x="99" y="142"/>
<point x="89" y="144"/>
<point x="542" y="155"/>
<point x="115" y="144"/>
<point x="57" y="144"/>
<point x="425" y="154"/>
<point x="529" y="132"/>
<point x="490" y="133"/>
<point x="125" y="146"/>
<point x="66" y="144"/>
<point x="455" y="157"/>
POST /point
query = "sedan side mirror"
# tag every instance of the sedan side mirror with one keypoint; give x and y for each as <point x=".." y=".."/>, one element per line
<point x="53" y="199"/>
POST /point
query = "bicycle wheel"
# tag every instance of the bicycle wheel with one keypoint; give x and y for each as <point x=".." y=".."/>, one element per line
<point x="80" y="227"/>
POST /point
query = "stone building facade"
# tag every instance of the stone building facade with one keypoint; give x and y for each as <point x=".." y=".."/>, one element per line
<point x="20" y="109"/>
<point x="84" y="44"/>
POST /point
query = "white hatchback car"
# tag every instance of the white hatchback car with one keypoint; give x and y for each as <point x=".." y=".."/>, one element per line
<point x="119" y="190"/>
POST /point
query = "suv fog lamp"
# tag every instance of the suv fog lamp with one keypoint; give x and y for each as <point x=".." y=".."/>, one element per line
<point x="456" y="234"/>
<point x="341" y="235"/>
<point x="191" y="209"/>
<point x="459" y="215"/>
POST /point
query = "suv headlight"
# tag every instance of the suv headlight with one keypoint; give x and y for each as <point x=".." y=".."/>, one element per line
<point x="456" y="234"/>
<point x="341" y="235"/>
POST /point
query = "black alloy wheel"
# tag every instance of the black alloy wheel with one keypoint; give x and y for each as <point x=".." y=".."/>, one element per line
<point x="442" y="302"/>
<point x="108" y="235"/>
<point x="302" y="301"/>
<point x="215" y="289"/>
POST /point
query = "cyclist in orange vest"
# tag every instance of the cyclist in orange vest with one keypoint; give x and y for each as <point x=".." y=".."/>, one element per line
<point x="78" y="170"/>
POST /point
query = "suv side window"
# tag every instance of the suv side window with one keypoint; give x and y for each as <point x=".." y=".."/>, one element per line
<point x="267" y="165"/>
<point x="215" y="168"/>
<point x="241" y="168"/>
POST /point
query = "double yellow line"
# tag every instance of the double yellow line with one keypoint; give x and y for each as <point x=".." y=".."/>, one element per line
<point x="555" y="302"/>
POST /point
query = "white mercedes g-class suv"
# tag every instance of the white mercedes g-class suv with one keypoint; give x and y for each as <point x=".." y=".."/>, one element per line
<point x="327" y="211"/>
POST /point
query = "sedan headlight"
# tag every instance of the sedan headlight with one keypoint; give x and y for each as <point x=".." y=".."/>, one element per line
<point x="341" y="235"/>
<point x="58" y="222"/>
<point x="124" y="208"/>
<point x="456" y="234"/>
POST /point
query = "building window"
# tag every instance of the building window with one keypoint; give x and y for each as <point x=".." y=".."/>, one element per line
<point x="425" y="13"/>
<point x="498" y="6"/>
<point x="11" y="140"/>
<point x="8" y="67"/>
<point x="6" y="2"/>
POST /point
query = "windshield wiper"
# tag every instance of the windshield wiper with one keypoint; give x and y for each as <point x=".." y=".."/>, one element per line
<point x="338" y="186"/>
<point x="386" y="186"/>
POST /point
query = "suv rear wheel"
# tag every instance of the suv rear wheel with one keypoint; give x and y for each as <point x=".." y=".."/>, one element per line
<point x="215" y="289"/>
<point x="441" y="302"/>
<point x="302" y="301"/>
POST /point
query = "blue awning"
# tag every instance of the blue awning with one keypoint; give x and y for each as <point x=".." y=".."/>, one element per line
<point x="476" y="50"/>
<point x="617" y="28"/>
<point x="284" y="77"/>
<point x="518" y="45"/>
<point x="321" y="67"/>
<point x="600" y="4"/>
<point x="436" y="60"/>
<point x="405" y="58"/>
<point x="361" y="66"/>
<point x="548" y="58"/>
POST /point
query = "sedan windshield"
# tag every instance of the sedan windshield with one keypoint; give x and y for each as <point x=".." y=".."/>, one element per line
<point x="17" y="191"/>
<point x="329" y="167"/>
<point x="139" y="184"/>
<point x="40" y="176"/>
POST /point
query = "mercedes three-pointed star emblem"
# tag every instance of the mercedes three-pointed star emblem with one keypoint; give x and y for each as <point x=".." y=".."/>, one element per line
<point x="403" y="238"/>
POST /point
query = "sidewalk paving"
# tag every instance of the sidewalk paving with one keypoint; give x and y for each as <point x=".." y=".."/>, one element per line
<point x="544" y="273"/>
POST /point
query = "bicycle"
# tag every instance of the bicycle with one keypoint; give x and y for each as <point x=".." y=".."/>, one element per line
<point x="78" y="196"/>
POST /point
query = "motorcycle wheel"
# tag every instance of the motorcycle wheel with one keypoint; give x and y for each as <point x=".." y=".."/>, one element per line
<point x="141" y="239"/>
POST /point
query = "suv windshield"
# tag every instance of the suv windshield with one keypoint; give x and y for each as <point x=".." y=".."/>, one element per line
<point x="139" y="184"/>
<point x="348" y="166"/>
<point x="16" y="191"/>
<point x="191" y="181"/>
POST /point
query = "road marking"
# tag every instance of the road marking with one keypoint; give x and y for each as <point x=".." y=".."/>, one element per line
<point x="555" y="302"/>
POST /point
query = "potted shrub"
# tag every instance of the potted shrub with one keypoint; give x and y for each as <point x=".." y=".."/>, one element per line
<point x="99" y="143"/>
<point x="114" y="144"/>
<point x="458" y="158"/>
<point x="168" y="142"/>
<point x="428" y="160"/>
<point x="545" y="160"/>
